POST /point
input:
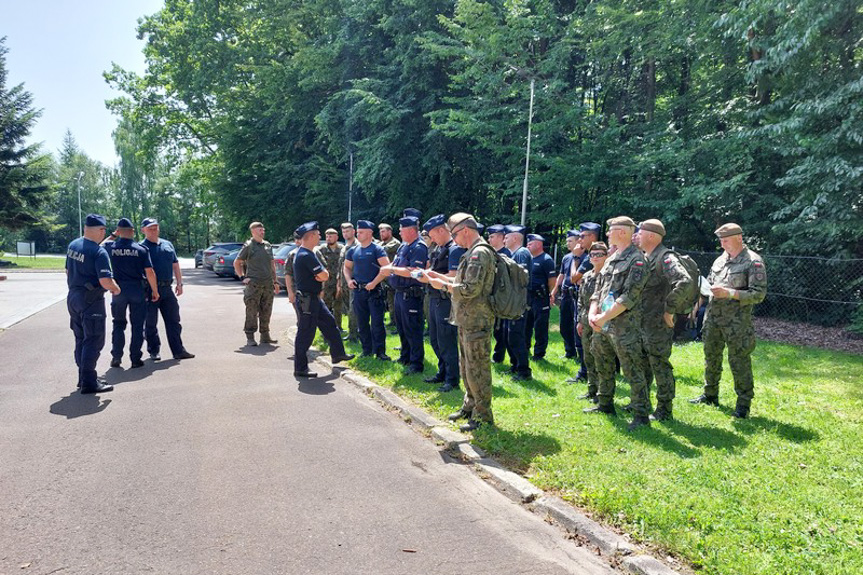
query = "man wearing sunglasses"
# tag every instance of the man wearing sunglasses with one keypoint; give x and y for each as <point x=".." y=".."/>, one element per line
<point x="598" y="254"/>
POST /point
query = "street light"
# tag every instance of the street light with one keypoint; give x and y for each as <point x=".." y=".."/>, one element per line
<point x="80" y="219"/>
<point x="527" y="157"/>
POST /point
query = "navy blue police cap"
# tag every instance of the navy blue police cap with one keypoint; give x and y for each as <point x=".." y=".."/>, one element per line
<point x="95" y="221"/>
<point x="480" y="228"/>
<point x="149" y="222"/>
<point x="365" y="225"/>
<point x="535" y="238"/>
<point x="412" y="212"/>
<point x="496" y="229"/>
<point x="573" y="234"/>
<point x="514" y="229"/>
<point x="125" y="223"/>
<point x="409" y="222"/>
<point x="433" y="222"/>
<point x="591" y="227"/>
<point x="306" y="228"/>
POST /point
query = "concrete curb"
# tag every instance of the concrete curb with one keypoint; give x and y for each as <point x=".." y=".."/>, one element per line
<point x="508" y="483"/>
<point x="610" y="543"/>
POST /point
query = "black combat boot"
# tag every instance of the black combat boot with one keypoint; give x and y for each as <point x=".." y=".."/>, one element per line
<point x="706" y="399"/>
<point x="606" y="409"/>
<point x="741" y="411"/>
<point x="637" y="422"/>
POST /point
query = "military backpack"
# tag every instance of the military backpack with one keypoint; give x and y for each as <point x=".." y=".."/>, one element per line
<point x="508" y="298"/>
<point x="690" y="297"/>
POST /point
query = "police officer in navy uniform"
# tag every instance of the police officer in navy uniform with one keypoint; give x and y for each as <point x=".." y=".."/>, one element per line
<point x="167" y="267"/>
<point x="88" y="275"/>
<point x="568" y="293"/>
<point x="363" y="273"/>
<point x="444" y="259"/>
<point x="516" y="334"/>
<point x="411" y="255"/>
<point x="542" y="278"/>
<point x="496" y="234"/>
<point x="130" y="262"/>
<point x="309" y="277"/>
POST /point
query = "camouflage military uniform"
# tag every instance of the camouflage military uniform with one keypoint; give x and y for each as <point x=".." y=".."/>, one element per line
<point x="624" y="274"/>
<point x="729" y="322"/>
<point x="588" y="286"/>
<point x="331" y="258"/>
<point x="471" y="312"/>
<point x="345" y="299"/>
<point x="391" y="247"/>
<point x="667" y="282"/>
<point x="258" y="293"/>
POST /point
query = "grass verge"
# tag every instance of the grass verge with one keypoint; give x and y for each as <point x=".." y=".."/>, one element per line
<point x="37" y="263"/>
<point x="779" y="493"/>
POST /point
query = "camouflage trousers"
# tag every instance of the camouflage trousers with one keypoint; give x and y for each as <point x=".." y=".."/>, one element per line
<point x="346" y="304"/>
<point x="739" y="336"/>
<point x="624" y="340"/>
<point x="329" y="297"/>
<point x="587" y="336"/>
<point x="656" y="340"/>
<point x="258" y="297"/>
<point x="474" y="354"/>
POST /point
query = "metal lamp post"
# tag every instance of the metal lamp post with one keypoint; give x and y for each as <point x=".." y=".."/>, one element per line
<point x="80" y="219"/>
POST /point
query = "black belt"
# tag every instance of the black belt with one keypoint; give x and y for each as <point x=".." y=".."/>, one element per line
<point x="415" y="291"/>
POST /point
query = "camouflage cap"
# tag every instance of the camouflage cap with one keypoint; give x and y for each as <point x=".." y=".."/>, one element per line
<point x="654" y="226"/>
<point x="729" y="229"/>
<point x="461" y="219"/>
<point x="621" y="221"/>
<point x="598" y="246"/>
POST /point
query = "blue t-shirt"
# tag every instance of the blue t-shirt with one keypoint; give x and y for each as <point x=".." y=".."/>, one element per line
<point x="584" y="264"/>
<point x="306" y="267"/>
<point x="541" y="269"/>
<point x="366" y="266"/>
<point x="86" y="262"/>
<point x="163" y="257"/>
<point x="522" y="257"/>
<point x="455" y="254"/>
<point x="413" y="255"/>
<point x="504" y="251"/>
<point x="565" y="269"/>
<point x="129" y="260"/>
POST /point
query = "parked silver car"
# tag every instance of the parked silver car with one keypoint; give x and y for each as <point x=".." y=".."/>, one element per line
<point x="215" y="250"/>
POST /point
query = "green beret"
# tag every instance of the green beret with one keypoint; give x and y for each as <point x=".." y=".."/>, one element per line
<point x="654" y="226"/>
<point x="726" y="230"/>
<point x="621" y="221"/>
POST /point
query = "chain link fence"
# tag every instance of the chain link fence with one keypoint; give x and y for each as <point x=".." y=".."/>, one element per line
<point x="817" y="290"/>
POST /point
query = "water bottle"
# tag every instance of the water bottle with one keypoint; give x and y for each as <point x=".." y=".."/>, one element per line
<point x="607" y="304"/>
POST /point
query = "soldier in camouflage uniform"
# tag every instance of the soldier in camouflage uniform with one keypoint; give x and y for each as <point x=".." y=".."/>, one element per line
<point x="255" y="265"/>
<point x="471" y="311"/>
<point x="598" y="253"/>
<point x="391" y="244"/>
<point x="738" y="281"/>
<point x="331" y="253"/>
<point x="624" y="275"/>
<point x="344" y="292"/>
<point x="664" y="295"/>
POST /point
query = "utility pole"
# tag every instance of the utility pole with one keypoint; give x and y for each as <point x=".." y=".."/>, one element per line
<point x="350" y="184"/>
<point x="80" y="219"/>
<point x="527" y="157"/>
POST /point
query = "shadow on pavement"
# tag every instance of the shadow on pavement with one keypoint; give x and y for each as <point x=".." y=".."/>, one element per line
<point x="322" y="385"/>
<point x="77" y="405"/>
<point x="260" y="350"/>
<point x="116" y="375"/>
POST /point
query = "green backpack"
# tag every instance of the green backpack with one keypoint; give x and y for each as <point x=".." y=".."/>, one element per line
<point x="508" y="297"/>
<point x="692" y="293"/>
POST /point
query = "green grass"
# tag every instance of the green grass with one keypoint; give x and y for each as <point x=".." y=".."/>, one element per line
<point x="37" y="263"/>
<point x="779" y="493"/>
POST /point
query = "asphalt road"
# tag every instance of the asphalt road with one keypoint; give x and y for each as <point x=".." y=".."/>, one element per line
<point x="227" y="464"/>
